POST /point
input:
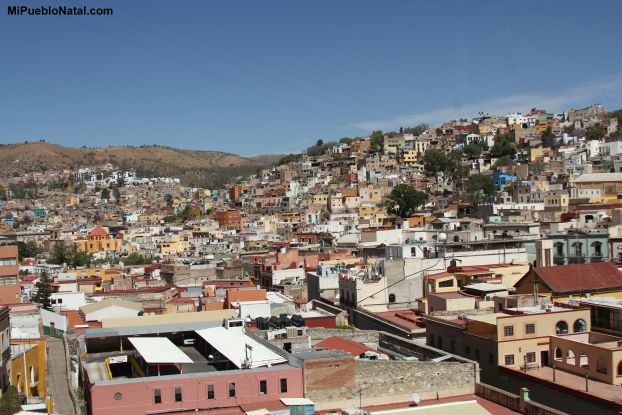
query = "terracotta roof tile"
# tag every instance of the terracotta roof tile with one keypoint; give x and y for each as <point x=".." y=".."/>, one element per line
<point x="581" y="277"/>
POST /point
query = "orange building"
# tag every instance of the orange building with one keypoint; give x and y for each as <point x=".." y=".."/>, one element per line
<point x="99" y="240"/>
<point x="9" y="281"/>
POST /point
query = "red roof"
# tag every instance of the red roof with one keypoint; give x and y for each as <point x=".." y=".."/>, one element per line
<point x="581" y="277"/>
<point x="339" y="343"/>
<point x="98" y="231"/>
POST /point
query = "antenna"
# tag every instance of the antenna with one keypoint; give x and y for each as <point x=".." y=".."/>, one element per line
<point x="248" y="356"/>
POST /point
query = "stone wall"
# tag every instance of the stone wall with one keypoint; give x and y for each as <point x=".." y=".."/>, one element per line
<point x="514" y="402"/>
<point x="366" y="337"/>
<point x="383" y="382"/>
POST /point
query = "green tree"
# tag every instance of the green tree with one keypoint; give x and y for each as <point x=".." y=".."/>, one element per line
<point x="290" y="158"/>
<point x="472" y="150"/>
<point x="376" y="137"/>
<point x="416" y="130"/>
<point x="504" y="161"/>
<point x="503" y="147"/>
<point x="137" y="259"/>
<point x="116" y="193"/>
<point x="9" y="403"/>
<point x="28" y="249"/>
<point x="481" y="183"/>
<point x="594" y="133"/>
<point x="105" y="193"/>
<point x="404" y="200"/>
<point x="43" y="292"/>
<point x="319" y="143"/>
<point x="434" y="161"/>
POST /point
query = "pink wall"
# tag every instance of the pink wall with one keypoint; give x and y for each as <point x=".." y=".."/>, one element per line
<point x="138" y="396"/>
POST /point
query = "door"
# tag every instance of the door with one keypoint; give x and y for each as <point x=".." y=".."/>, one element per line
<point x="544" y="358"/>
<point x="52" y="329"/>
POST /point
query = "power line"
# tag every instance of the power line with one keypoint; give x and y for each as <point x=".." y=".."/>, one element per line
<point x="397" y="282"/>
<point x="260" y="61"/>
<point x="221" y="77"/>
<point x="246" y="68"/>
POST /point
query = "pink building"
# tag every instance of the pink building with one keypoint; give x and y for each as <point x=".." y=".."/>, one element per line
<point x="193" y="366"/>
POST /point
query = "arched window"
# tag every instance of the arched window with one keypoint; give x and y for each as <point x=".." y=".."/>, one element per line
<point x="559" y="248"/>
<point x="598" y="250"/>
<point x="601" y="366"/>
<point x="561" y="327"/>
<point x="570" y="358"/>
<point x="456" y="238"/>
<point x="620" y="368"/>
<point x="391" y="298"/>
<point x="579" y="326"/>
<point x="558" y="354"/>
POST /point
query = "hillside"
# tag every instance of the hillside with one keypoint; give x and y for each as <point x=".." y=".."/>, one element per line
<point x="193" y="167"/>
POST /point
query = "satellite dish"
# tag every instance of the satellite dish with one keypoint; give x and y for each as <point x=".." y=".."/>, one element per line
<point x="416" y="399"/>
<point x="442" y="236"/>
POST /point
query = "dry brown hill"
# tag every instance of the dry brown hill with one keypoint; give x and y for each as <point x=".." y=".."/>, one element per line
<point x="193" y="167"/>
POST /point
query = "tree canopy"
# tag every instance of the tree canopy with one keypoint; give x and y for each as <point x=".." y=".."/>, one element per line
<point x="43" y="292"/>
<point x="404" y="200"/>
<point x="481" y="182"/>
<point x="594" y="133"/>
<point x="9" y="403"/>
<point x="435" y="161"/>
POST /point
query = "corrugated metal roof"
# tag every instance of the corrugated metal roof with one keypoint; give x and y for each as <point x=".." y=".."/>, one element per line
<point x="159" y="350"/>
<point x="231" y="343"/>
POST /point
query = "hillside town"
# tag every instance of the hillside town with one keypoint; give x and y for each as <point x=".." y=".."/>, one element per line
<point x="470" y="267"/>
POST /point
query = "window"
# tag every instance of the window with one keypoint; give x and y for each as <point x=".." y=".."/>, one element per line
<point x="467" y="349"/>
<point x="601" y="366"/>
<point x="447" y="283"/>
<point x="598" y="249"/>
<point x="283" y="385"/>
<point x="561" y="327"/>
<point x="210" y="391"/>
<point x="157" y="396"/>
<point x="508" y="331"/>
<point x="232" y="390"/>
<point x="8" y="279"/>
<point x="263" y="387"/>
<point x="530" y="357"/>
<point x="7" y="261"/>
<point x="391" y="298"/>
<point x="509" y="359"/>
<point x="477" y="354"/>
<point x="452" y="346"/>
<point x="431" y="341"/>
<point x="579" y="326"/>
<point x="620" y="368"/>
<point x="440" y="342"/>
<point x="491" y="358"/>
<point x="178" y="394"/>
<point x="530" y="328"/>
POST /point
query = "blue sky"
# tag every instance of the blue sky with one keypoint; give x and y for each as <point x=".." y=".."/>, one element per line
<point x="253" y="77"/>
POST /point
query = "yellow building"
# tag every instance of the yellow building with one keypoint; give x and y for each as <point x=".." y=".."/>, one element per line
<point x="562" y="282"/>
<point x="105" y="274"/>
<point x="98" y="241"/>
<point x="409" y="156"/>
<point x="28" y="368"/>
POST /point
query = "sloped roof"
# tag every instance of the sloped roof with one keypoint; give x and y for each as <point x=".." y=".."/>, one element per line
<point x="109" y="302"/>
<point x="581" y="277"/>
<point x="339" y="343"/>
